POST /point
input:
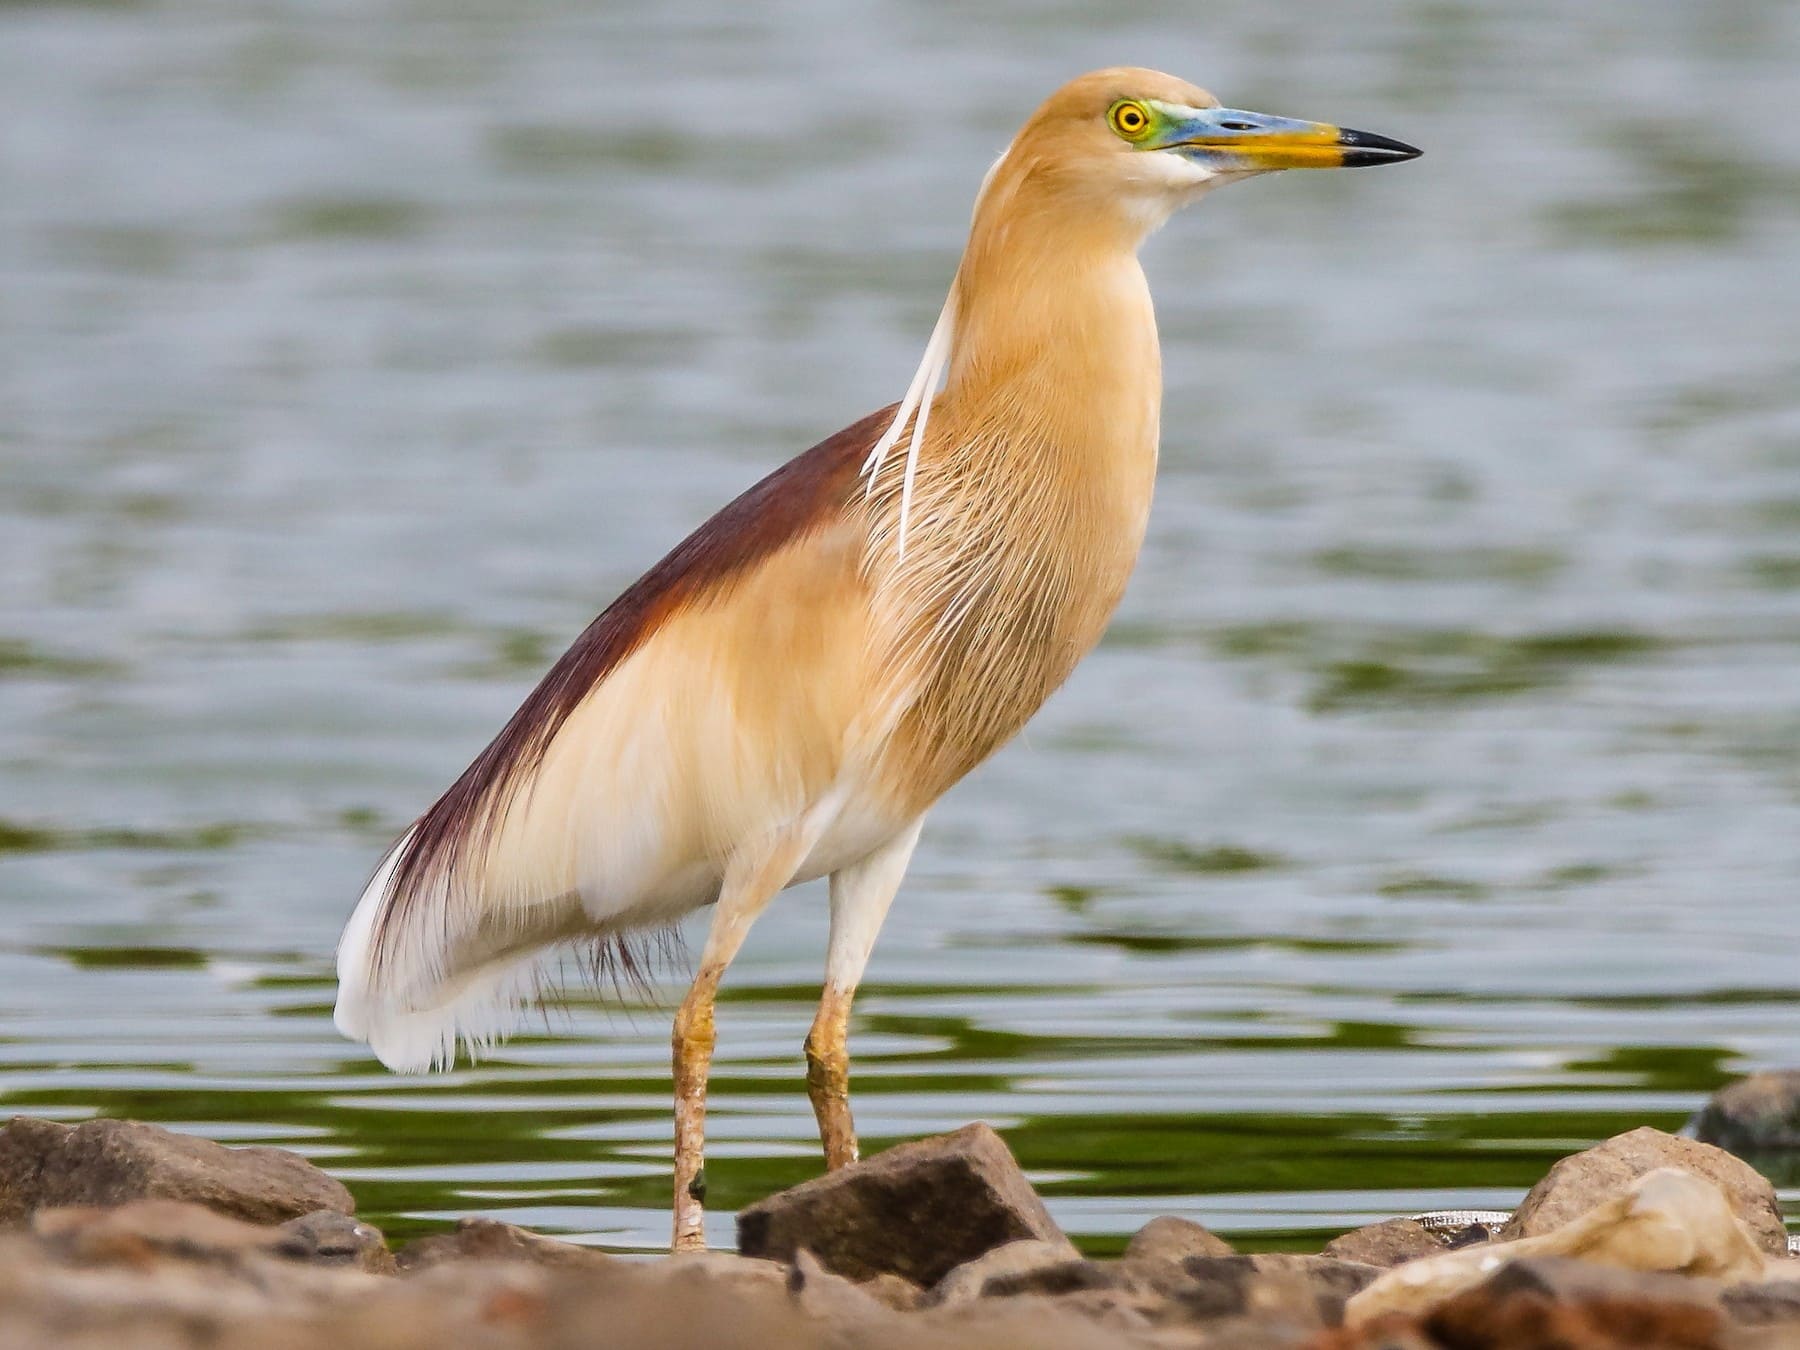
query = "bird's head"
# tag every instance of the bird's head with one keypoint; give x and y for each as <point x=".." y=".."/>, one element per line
<point x="1133" y="145"/>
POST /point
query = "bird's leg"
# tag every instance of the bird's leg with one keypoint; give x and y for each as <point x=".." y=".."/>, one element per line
<point x="751" y="881"/>
<point x="860" y="895"/>
<point x="693" y="1040"/>
<point x="828" y="1076"/>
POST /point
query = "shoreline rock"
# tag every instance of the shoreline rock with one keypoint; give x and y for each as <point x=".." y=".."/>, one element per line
<point x="1757" y="1114"/>
<point x="939" y="1244"/>
<point x="46" y="1165"/>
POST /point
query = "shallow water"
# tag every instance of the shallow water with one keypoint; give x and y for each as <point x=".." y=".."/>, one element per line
<point x="1433" y="808"/>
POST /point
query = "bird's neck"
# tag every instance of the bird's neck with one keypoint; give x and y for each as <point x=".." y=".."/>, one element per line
<point x="1055" y="334"/>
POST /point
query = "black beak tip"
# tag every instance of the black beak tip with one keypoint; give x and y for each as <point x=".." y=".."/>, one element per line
<point x="1364" y="148"/>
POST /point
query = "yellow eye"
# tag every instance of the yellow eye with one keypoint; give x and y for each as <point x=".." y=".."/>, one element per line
<point x="1130" y="119"/>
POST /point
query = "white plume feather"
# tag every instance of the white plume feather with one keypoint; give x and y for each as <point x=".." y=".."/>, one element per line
<point x="916" y="406"/>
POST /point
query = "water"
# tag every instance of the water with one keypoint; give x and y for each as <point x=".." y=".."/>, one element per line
<point x="1432" y="810"/>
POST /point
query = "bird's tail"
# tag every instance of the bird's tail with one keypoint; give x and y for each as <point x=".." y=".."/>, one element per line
<point x="414" y="983"/>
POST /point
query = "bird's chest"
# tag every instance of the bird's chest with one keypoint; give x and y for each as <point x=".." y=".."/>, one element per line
<point x="1023" y="589"/>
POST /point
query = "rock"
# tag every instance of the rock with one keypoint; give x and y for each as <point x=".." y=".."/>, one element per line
<point x="1306" y="1289"/>
<point x="1560" y="1279"/>
<point x="918" y="1210"/>
<point x="1575" y="1305"/>
<point x="144" y="1230"/>
<point x="1753" y="1115"/>
<point x="1083" y="1321"/>
<point x="488" y="1240"/>
<point x="888" y="1288"/>
<point x="728" y="1270"/>
<point x="1667" y="1221"/>
<point x="1774" y="1302"/>
<point x="831" y="1298"/>
<point x="1387" y="1243"/>
<point x="44" y="1165"/>
<point x="1001" y="1273"/>
<point x="1585" y="1180"/>
<point x="336" y="1240"/>
<point x="1173" y="1239"/>
<point x="1104" y="1307"/>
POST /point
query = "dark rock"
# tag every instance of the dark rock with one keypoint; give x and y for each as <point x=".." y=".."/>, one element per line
<point x="489" y="1240"/>
<point x="1174" y="1239"/>
<point x="1579" y="1182"/>
<point x="1016" y="1264"/>
<point x="1469" y="1235"/>
<point x="1389" y="1243"/>
<point x="337" y="1240"/>
<point x="1757" y="1114"/>
<point x="44" y="1165"/>
<point x="918" y="1210"/>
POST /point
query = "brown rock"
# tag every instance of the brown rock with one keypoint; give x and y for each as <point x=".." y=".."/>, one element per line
<point x="144" y="1231"/>
<point x="489" y="1240"/>
<point x="1009" y="1270"/>
<point x="727" y="1270"/>
<point x="44" y="1165"/>
<point x="888" y="1288"/>
<point x="1576" y="1305"/>
<point x="1388" y="1243"/>
<point x="1755" y="1114"/>
<point x="1775" y="1302"/>
<point x="1088" y="1321"/>
<point x="1307" y="1290"/>
<point x="1174" y="1239"/>
<point x="1579" y="1182"/>
<point x="831" y="1298"/>
<point x="918" y="1210"/>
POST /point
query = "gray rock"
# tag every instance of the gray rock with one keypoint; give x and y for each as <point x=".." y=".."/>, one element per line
<point x="45" y="1165"/>
<point x="1579" y="1182"/>
<point x="1757" y="1114"/>
<point x="336" y="1240"/>
<point x="1173" y="1239"/>
<point x="918" y="1210"/>
<point x="1388" y="1243"/>
<point x="489" y="1240"/>
<point x="1007" y="1263"/>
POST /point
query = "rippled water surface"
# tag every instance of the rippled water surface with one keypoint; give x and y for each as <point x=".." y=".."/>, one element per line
<point x="1432" y="809"/>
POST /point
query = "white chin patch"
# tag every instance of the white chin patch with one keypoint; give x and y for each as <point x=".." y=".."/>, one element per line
<point x="1162" y="183"/>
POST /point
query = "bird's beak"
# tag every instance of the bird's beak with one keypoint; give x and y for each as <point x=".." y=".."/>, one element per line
<point x="1231" y="140"/>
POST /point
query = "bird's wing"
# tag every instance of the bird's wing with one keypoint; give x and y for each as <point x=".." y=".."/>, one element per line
<point x="674" y="724"/>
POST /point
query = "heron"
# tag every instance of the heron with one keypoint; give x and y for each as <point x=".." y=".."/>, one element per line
<point x="787" y="693"/>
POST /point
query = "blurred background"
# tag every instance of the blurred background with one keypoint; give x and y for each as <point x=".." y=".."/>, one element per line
<point x="1432" y="809"/>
